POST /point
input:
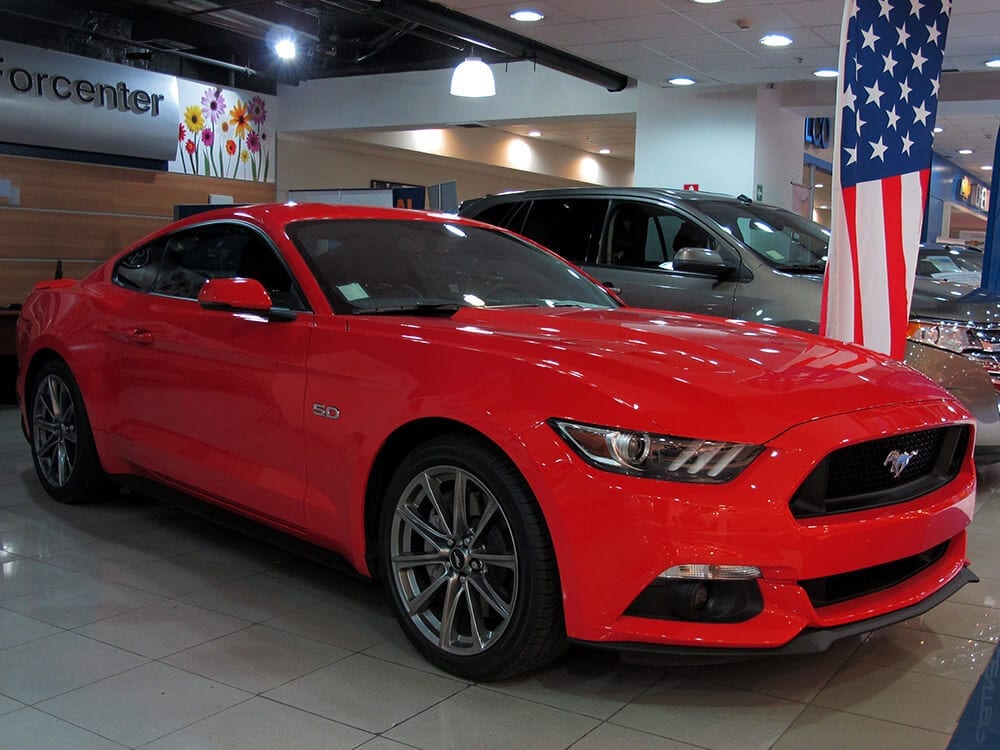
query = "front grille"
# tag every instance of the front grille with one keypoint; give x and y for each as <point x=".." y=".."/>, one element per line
<point x="989" y="356"/>
<point x="861" y="476"/>
<point x="823" y="592"/>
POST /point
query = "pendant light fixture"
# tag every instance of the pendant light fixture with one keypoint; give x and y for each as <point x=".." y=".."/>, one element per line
<point x="473" y="78"/>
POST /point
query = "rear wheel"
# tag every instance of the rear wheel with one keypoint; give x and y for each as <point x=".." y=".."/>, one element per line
<point x="468" y="561"/>
<point x="62" y="445"/>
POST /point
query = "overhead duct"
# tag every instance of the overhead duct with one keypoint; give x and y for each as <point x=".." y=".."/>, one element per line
<point x="482" y="34"/>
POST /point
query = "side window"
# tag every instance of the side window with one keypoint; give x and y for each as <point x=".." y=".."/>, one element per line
<point x="506" y="215"/>
<point x="566" y="226"/>
<point x="644" y="235"/>
<point x="179" y="265"/>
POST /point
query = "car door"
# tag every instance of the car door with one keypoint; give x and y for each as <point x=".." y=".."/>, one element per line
<point x="636" y="256"/>
<point x="215" y="398"/>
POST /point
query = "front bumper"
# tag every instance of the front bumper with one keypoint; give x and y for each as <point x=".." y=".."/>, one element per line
<point x="809" y="641"/>
<point x="615" y="534"/>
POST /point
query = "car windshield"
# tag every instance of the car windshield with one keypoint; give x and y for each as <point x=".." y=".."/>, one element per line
<point x="957" y="265"/>
<point x="784" y="238"/>
<point x="387" y="266"/>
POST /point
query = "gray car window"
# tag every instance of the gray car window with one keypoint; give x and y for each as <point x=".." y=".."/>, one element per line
<point x="644" y="235"/>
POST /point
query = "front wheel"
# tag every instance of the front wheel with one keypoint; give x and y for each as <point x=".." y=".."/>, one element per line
<point x="467" y="558"/>
<point x="62" y="445"/>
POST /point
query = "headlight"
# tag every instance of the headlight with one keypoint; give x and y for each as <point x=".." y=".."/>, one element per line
<point x="950" y="336"/>
<point x="646" y="454"/>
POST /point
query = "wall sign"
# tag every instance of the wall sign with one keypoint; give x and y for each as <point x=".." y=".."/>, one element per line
<point x="63" y="101"/>
<point x="974" y="194"/>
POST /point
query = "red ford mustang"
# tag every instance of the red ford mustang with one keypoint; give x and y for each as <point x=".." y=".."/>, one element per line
<point x="520" y="458"/>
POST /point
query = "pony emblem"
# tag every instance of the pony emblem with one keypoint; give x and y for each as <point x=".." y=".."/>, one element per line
<point x="897" y="461"/>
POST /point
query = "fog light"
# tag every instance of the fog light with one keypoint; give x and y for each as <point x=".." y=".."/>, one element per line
<point x="712" y="572"/>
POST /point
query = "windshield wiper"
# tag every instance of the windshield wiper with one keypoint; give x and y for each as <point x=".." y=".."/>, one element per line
<point x="420" y="308"/>
<point x="803" y="268"/>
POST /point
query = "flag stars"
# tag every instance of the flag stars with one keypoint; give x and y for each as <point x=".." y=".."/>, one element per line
<point x="907" y="143"/>
<point x="904" y="36"/>
<point x="904" y="90"/>
<point x="915" y="7"/>
<point x="852" y="154"/>
<point x="918" y="61"/>
<point x="878" y="149"/>
<point x="849" y="98"/>
<point x="920" y="114"/>
<point x="870" y="38"/>
<point x="935" y="86"/>
<point x="886" y="6"/>
<point x="875" y="94"/>
<point x="933" y="33"/>
<point x="889" y="65"/>
<point x="893" y="117"/>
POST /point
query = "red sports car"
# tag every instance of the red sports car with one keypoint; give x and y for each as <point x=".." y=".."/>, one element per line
<point x="523" y="460"/>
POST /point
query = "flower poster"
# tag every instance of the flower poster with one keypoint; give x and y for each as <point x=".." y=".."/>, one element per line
<point x="225" y="133"/>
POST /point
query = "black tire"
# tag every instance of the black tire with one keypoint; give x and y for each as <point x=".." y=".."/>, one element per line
<point x="498" y="573"/>
<point x="62" y="443"/>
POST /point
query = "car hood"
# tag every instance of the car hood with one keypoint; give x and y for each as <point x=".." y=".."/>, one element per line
<point x="687" y="374"/>
<point x="943" y="300"/>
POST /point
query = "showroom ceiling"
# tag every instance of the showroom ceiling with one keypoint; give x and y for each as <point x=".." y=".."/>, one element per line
<point x="225" y="41"/>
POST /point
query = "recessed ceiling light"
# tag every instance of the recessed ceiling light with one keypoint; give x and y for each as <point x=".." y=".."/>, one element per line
<point x="526" y="15"/>
<point x="826" y="73"/>
<point x="824" y="207"/>
<point x="994" y="63"/>
<point x="681" y="81"/>
<point x="775" y="40"/>
<point x="965" y="151"/>
<point x="605" y="151"/>
<point x="938" y="129"/>
<point x="819" y="185"/>
<point x="987" y="167"/>
<point x="535" y="133"/>
<point x="706" y="2"/>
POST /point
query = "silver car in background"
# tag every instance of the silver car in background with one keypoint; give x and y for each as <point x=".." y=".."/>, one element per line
<point x="734" y="258"/>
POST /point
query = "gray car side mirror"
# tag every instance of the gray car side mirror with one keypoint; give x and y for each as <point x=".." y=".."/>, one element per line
<point x="702" y="260"/>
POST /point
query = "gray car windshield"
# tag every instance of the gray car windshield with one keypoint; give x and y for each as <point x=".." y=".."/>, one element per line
<point x="377" y="266"/>
<point x="785" y="239"/>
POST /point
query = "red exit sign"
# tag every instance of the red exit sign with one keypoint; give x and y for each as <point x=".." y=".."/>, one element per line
<point x="690" y="185"/>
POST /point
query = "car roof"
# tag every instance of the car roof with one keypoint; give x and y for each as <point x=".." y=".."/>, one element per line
<point x="651" y="193"/>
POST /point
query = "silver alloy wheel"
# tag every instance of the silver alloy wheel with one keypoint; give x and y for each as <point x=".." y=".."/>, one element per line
<point x="454" y="560"/>
<point x="53" y="429"/>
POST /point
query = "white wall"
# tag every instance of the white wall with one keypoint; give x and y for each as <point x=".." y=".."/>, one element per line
<point x="314" y="164"/>
<point x="778" y="148"/>
<point x="421" y="99"/>
<point x="704" y="136"/>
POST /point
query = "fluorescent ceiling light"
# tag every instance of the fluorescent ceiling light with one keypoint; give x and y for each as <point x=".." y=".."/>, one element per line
<point x="535" y="133"/>
<point x="826" y="73"/>
<point x="994" y="63"/>
<point x="526" y="15"/>
<point x="604" y="151"/>
<point x="706" y="2"/>
<point x="819" y="185"/>
<point x="681" y="81"/>
<point x="938" y="129"/>
<point x="473" y="78"/>
<point x="987" y="167"/>
<point x="775" y="40"/>
<point x="965" y="151"/>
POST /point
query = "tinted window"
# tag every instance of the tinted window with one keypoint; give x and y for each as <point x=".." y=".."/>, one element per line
<point x="569" y="227"/>
<point x="367" y="264"/>
<point x="784" y="238"/>
<point x="178" y="266"/>
<point x="645" y="235"/>
<point x="506" y="215"/>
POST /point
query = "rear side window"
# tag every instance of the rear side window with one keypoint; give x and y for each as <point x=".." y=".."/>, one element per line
<point x="179" y="265"/>
<point x="569" y="227"/>
<point x="506" y="215"/>
<point x="644" y="235"/>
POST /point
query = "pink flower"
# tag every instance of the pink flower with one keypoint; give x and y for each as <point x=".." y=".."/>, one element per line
<point x="213" y="105"/>
<point x="253" y="142"/>
<point x="208" y="137"/>
<point x="181" y="132"/>
<point x="257" y="110"/>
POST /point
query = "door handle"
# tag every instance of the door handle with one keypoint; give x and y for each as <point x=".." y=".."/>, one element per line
<point x="139" y="336"/>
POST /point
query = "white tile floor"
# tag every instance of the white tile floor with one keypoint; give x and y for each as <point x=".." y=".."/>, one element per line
<point x="130" y="624"/>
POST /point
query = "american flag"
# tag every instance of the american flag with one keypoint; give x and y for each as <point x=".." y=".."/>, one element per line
<point x="890" y="74"/>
